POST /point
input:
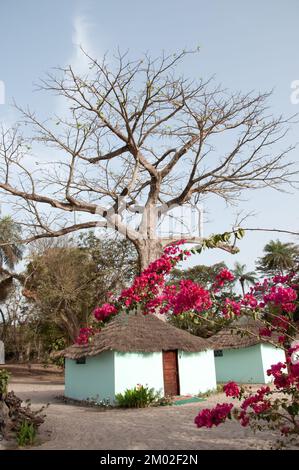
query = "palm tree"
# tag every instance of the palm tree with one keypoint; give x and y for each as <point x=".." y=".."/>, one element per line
<point x="278" y="257"/>
<point x="10" y="251"/>
<point x="245" y="278"/>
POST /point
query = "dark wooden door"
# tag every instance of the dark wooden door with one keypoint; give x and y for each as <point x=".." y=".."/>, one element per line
<point x="171" y="373"/>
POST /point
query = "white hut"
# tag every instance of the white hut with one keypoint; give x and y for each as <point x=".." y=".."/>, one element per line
<point x="139" y="349"/>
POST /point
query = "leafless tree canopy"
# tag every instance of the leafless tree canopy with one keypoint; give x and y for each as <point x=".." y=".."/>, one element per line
<point x="138" y="138"/>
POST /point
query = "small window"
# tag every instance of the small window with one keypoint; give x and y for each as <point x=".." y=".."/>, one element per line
<point x="81" y="360"/>
<point x="218" y="353"/>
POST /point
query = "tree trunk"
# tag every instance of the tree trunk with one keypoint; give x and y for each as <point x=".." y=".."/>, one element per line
<point x="28" y="352"/>
<point x="242" y="282"/>
<point x="148" y="251"/>
<point x="3" y="323"/>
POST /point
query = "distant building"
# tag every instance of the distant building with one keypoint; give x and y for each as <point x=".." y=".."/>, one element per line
<point x="139" y="349"/>
<point x="2" y="353"/>
<point x="244" y="358"/>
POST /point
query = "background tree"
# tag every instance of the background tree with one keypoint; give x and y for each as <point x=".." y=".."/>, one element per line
<point x="116" y="260"/>
<point x="20" y="333"/>
<point x="201" y="274"/>
<point x="66" y="282"/>
<point x="10" y="255"/>
<point x="199" y="325"/>
<point x="138" y="139"/>
<point x="278" y="258"/>
<point x="245" y="278"/>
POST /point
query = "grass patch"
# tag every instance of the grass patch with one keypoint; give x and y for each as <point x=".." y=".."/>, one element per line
<point x="208" y="393"/>
<point x="26" y="435"/>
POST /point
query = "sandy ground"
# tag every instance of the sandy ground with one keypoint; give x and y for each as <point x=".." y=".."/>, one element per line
<point x="168" y="428"/>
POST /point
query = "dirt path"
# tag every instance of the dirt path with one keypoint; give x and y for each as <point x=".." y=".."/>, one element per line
<point x="169" y="428"/>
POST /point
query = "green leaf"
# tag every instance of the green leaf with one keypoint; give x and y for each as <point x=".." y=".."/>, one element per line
<point x="293" y="409"/>
<point x="240" y="233"/>
<point x="226" y="237"/>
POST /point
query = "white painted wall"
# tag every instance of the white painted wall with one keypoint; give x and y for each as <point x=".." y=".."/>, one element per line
<point x="196" y="372"/>
<point x="271" y="356"/>
<point x="2" y="353"/>
<point x="134" y="368"/>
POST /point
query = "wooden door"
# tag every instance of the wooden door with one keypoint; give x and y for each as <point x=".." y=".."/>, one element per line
<point x="171" y="373"/>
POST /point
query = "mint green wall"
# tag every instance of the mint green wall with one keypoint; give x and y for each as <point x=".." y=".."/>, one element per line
<point x="270" y="356"/>
<point x="196" y="372"/>
<point x="134" y="368"/>
<point x="248" y="365"/>
<point x="95" y="378"/>
<point x="242" y="365"/>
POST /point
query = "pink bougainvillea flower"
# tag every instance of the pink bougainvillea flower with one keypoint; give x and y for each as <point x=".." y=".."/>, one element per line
<point x="223" y="277"/>
<point x="85" y="334"/>
<point x="243" y="418"/>
<point x="101" y="313"/>
<point x="213" y="417"/>
<point x="189" y="296"/>
<point x="231" y="307"/>
<point x="231" y="389"/>
<point x="265" y="332"/>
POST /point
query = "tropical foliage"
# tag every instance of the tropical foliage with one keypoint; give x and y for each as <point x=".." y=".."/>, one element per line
<point x="278" y="258"/>
<point x="202" y="274"/>
<point x="10" y="249"/>
<point x="244" y="277"/>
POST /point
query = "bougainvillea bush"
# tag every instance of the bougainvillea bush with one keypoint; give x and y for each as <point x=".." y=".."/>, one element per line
<point x="151" y="292"/>
<point x="273" y="301"/>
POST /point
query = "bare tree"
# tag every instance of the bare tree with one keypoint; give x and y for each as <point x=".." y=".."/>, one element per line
<point x="139" y="138"/>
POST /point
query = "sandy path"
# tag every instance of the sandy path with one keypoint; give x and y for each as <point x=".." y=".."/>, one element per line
<point x="169" y="428"/>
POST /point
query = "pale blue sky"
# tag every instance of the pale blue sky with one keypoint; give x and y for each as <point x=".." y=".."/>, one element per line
<point x="247" y="45"/>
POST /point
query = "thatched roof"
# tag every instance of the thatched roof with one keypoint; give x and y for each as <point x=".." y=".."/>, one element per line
<point x="138" y="333"/>
<point x="229" y="338"/>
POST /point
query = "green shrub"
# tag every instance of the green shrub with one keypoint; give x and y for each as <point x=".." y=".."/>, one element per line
<point x="26" y="434"/>
<point x="138" y="397"/>
<point x="58" y="345"/>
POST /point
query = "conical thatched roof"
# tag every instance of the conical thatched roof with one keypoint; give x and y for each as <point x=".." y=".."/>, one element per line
<point x="228" y="338"/>
<point x="138" y="333"/>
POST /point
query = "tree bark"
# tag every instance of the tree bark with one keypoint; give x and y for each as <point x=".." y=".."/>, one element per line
<point x="242" y="282"/>
<point x="3" y="324"/>
<point x="148" y="251"/>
